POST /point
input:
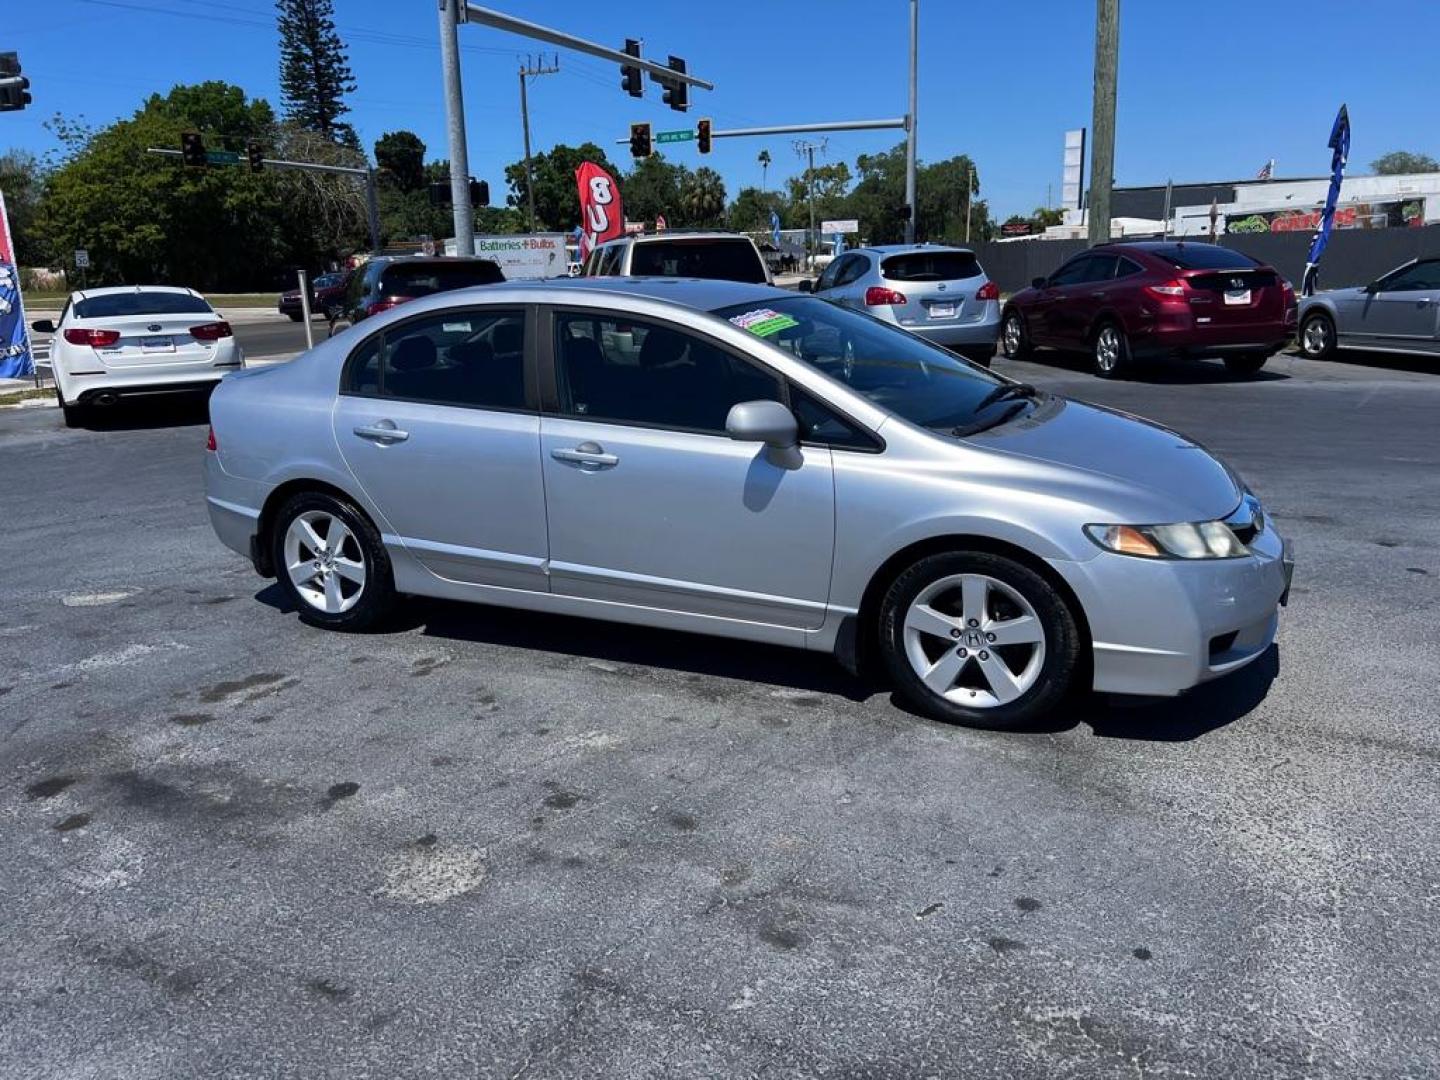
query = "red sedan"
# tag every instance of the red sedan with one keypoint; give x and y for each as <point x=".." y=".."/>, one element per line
<point x="1123" y="302"/>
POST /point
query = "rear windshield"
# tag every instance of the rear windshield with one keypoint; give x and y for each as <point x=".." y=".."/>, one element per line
<point x="1203" y="257"/>
<point x="720" y="260"/>
<point x="113" y="305"/>
<point x="931" y="266"/>
<point x="324" y="281"/>
<point x="422" y="279"/>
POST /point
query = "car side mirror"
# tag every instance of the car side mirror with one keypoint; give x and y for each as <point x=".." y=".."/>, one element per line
<point x="44" y="326"/>
<point x="1038" y="283"/>
<point x="806" y="285"/>
<point x="768" y="422"/>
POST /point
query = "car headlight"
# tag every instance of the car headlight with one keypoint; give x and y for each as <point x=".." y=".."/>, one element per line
<point x="1187" y="540"/>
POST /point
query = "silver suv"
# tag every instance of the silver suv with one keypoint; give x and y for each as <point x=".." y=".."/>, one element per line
<point x="940" y="293"/>
<point x="717" y="256"/>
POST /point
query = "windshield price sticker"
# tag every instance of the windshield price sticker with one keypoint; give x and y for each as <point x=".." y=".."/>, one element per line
<point x="763" y="322"/>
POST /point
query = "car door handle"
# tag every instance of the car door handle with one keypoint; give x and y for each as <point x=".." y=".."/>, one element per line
<point x="586" y="455"/>
<point x="383" y="432"/>
<point x="1098" y="295"/>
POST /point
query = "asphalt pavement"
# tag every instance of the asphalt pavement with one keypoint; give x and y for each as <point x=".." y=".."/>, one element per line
<point x="485" y="843"/>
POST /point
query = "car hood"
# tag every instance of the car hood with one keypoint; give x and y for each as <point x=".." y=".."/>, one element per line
<point x="1136" y="466"/>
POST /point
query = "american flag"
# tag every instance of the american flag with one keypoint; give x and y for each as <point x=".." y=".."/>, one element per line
<point x="1266" y="171"/>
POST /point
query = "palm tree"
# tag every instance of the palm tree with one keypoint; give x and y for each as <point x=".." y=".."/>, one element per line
<point x="764" y="160"/>
<point x="703" y="197"/>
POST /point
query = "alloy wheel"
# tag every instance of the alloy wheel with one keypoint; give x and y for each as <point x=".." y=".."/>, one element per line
<point x="1316" y="338"/>
<point x="974" y="640"/>
<point x="1107" y="348"/>
<point x="325" y="562"/>
<point x="1012" y="334"/>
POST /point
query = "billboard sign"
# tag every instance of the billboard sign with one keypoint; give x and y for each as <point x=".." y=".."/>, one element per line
<point x="1072" y="176"/>
<point x="522" y="256"/>
<point x="844" y="225"/>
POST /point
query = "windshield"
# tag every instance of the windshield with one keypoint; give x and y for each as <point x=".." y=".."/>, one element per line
<point x="114" y="305"/>
<point x="898" y="371"/>
<point x="324" y="281"/>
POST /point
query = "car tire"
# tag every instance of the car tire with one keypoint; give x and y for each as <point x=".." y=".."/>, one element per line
<point x="1317" y="336"/>
<point x="1014" y="339"/>
<point x="1110" y="351"/>
<point x="74" y="415"/>
<point x="350" y="588"/>
<point x="925" y="622"/>
<point x="1246" y="363"/>
<point x="295" y="316"/>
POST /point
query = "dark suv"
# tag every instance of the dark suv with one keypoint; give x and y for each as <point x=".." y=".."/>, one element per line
<point x="1120" y="302"/>
<point x="386" y="282"/>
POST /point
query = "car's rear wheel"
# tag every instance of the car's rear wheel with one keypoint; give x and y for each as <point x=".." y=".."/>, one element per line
<point x="331" y="562"/>
<point x="978" y="639"/>
<point x="1317" y="336"/>
<point x="74" y="414"/>
<point x="295" y="316"/>
<point x="1246" y="363"/>
<point x="1014" y="341"/>
<point x="1110" y="352"/>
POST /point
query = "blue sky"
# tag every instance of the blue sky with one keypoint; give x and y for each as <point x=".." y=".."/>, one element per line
<point x="1207" y="91"/>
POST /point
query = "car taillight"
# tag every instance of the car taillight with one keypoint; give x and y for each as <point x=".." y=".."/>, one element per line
<point x="1174" y="287"/>
<point x="988" y="291"/>
<point x="385" y="305"/>
<point x="97" y="338"/>
<point x="210" y="443"/>
<point x="211" y="331"/>
<point x="878" y="294"/>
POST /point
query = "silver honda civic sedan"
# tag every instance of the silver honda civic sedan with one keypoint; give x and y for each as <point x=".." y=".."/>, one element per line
<point x="737" y="460"/>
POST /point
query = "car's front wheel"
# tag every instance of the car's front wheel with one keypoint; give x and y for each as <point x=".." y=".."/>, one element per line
<point x="1013" y="340"/>
<point x="1110" y="351"/>
<point x="331" y="562"/>
<point x="978" y="639"/>
<point x="1317" y="336"/>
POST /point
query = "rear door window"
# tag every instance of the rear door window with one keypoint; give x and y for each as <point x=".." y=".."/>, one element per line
<point x="1071" y="273"/>
<point x="855" y="269"/>
<point x="114" y="305"/>
<point x="426" y="279"/>
<point x="931" y="266"/>
<point x="715" y="259"/>
<point x="1101" y="268"/>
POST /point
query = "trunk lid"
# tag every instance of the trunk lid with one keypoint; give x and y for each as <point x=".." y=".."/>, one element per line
<point x="1236" y="297"/>
<point x="151" y="340"/>
<point x="939" y="286"/>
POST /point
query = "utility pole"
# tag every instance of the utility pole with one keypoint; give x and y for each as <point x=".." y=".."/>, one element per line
<point x="526" y="70"/>
<point x="1102" y="124"/>
<point x="910" y="123"/>
<point x="969" y="198"/>
<point x="450" y="15"/>
<point x="807" y="151"/>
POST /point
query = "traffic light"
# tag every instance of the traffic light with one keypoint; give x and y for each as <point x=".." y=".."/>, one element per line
<point x="676" y="94"/>
<point x="639" y="140"/>
<point x="479" y="192"/>
<point x="14" y="86"/>
<point x="256" y="153"/>
<point x="629" y="74"/>
<point x="440" y="194"/>
<point x="192" y="148"/>
<point x="702" y="135"/>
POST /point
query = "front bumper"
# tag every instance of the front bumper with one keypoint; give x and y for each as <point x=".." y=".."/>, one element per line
<point x="1160" y="627"/>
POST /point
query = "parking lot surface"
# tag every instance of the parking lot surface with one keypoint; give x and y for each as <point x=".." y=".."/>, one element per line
<point x="485" y="843"/>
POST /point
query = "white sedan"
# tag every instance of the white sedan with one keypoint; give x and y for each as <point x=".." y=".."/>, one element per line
<point x="139" y="339"/>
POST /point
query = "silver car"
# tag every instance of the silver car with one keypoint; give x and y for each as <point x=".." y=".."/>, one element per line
<point x="1399" y="313"/>
<point x="738" y="460"/>
<point x="940" y="293"/>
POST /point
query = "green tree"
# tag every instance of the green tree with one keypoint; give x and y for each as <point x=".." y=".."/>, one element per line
<point x="703" y="197"/>
<point x="400" y="157"/>
<point x="314" y="69"/>
<point x="1044" y="216"/>
<point x="751" y="209"/>
<point x="831" y="185"/>
<point x="22" y="180"/>
<point x="1404" y="161"/>
<point x="653" y="188"/>
<point x="764" y="159"/>
<point x="557" y="200"/>
<point x="145" y="218"/>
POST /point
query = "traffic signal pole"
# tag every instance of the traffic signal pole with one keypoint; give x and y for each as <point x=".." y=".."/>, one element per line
<point x="910" y="148"/>
<point x="452" y="12"/>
